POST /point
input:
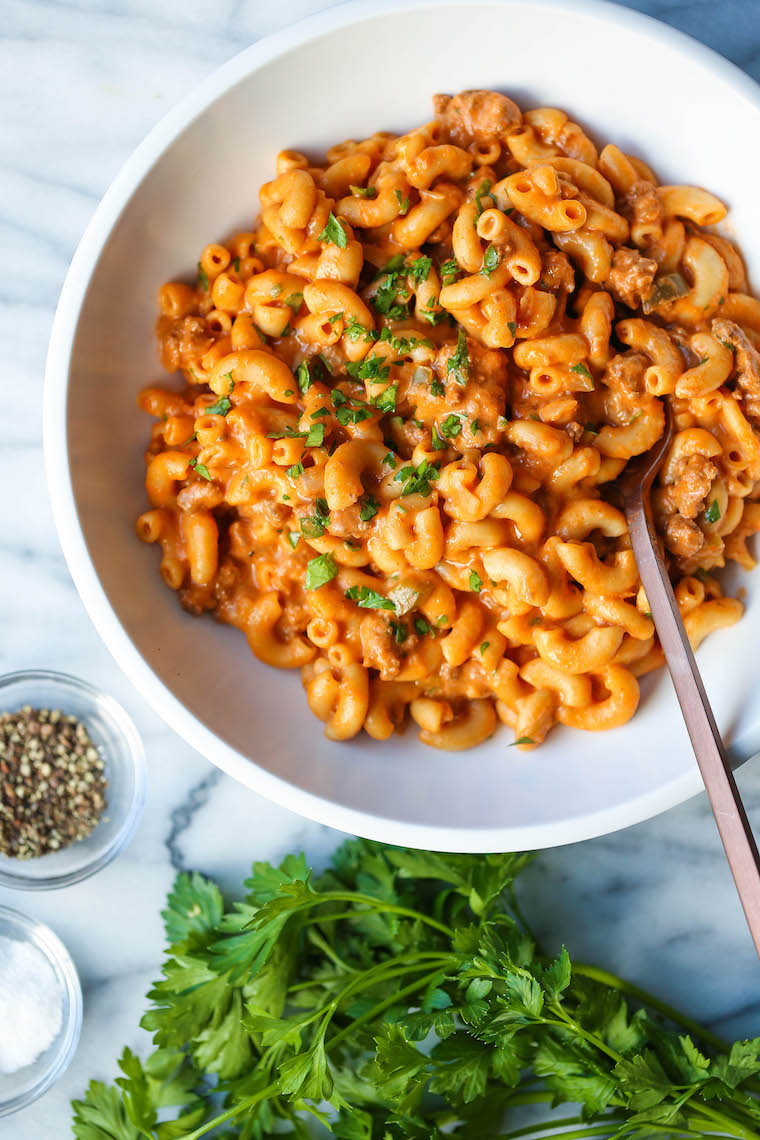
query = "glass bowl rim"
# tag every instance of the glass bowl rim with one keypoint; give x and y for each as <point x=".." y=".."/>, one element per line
<point x="133" y="747"/>
<point x="58" y="955"/>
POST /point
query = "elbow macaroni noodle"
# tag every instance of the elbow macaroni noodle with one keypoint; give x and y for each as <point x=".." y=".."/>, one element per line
<point x="408" y="393"/>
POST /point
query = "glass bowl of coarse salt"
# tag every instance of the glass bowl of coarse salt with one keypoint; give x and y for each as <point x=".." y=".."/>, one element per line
<point x="72" y="780"/>
<point x="40" y="1009"/>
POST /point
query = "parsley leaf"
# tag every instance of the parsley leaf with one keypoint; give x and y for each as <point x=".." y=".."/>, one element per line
<point x="417" y="480"/>
<point x="333" y="233"/>
<point x="403" y="203"/>
<point x="364" y="191"/>
<point x="476" y="582"/>
<point x="712" y="514"/>
<point x="369" y="508"/>
<point x="202" y="278"/>
<point x="458" y="365"/>
<point x="582" y="370"/>
<point x="419" y="270"/>
<point x="201" y="469"/>
<point x="491" y="259"/>
<point x="314" y="526"/>
<point x="386" y="401"/>
<point x="451" y="426"/>
<point x="320" y="570"/>
<point x="220" y="407"/>
<point x="369" y="599"/>
<point x="316" y="435"/>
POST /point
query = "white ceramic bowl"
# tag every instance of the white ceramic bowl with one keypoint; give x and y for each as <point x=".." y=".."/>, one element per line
<point x="345" y="73"/>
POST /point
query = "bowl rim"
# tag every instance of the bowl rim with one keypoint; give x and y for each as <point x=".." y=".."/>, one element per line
<point x="127" y="729"/>
<point x="161" y="699"/>
<point x="70" y="1032"/>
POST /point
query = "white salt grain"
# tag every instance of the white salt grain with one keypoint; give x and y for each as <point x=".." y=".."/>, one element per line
<point x="31" y="1005"/>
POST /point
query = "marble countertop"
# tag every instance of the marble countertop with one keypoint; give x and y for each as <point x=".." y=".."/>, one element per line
<point x="81" y="83"/>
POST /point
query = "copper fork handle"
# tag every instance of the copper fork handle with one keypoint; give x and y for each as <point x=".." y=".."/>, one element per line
<point x="733" y="825"/>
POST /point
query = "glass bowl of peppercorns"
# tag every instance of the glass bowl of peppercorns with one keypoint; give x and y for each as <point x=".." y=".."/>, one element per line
<point x="72" y="780"/>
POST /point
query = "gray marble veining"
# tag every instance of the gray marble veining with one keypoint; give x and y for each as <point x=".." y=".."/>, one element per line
<point x="81" y="82"/>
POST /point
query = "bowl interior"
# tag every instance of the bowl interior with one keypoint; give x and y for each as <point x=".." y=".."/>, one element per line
<point x="22" y="1087"/>
<point x="201" y="186"/>
<point x="120" y="747"/>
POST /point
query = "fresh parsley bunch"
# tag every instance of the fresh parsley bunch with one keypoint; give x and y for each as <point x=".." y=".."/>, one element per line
<point x="401" y="996"/>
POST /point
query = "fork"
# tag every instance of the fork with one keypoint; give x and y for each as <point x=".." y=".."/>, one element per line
<point x="733" y="826"/>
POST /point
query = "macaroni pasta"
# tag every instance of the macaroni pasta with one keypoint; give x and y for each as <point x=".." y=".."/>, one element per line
<point x="407" y="395"/>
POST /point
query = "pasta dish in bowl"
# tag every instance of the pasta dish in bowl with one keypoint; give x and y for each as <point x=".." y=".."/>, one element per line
<point x="409" y="390"/>
<point x="398" y="378"/>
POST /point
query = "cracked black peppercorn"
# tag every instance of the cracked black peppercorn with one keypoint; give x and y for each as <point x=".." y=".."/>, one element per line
<point x="52" y="782"/>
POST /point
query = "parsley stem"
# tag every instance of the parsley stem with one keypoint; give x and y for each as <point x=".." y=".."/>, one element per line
<point x="603" y="1128"/>
<point x="566" y="1019"/>
<point x="231" y="1113"/>
<point x="381" y="1007"/>
<point x="728" y="1123"/>
<point x="646" y="998"/>
<point x="377" y="905"/>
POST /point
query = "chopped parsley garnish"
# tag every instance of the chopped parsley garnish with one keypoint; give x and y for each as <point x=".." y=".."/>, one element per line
<point x="320" y="570"/>
<point x="276" y="289"/>
<point x="512" y="326"/>
<point x="369" y="508"/>
<point x="435" y="316"/>
<point x="201" y="469"/>
<point x="483" y="191"/>
<point x="220" y="408"/>
<point x="316" y="435"/>
<point x="335" y="317"/>
<point x="313" y="526"/>
<point x="582" y="370"/>
<point x="288" y="433"/>
<point x="483" y="646"/>
<point x="712" y="514"/>
<point x="422" y="627"/>
<point x="417" y="480"/>
<point x="236" y="265"/>
<point x="295" y="470"/>
<point x="369" y="599"/>
<point x="371" y="368"/>
<point x="522" y="740"/>
<point x="202" y="278"/>
<point x="451" y="426"/>
<point x="386" y="401"/>
<point x="294" y="301"/>
<point x="364" y="191"/>
<point x="437" y="388"/>
<point x="356" y="415"/>
<point x="293" y="537"/>
<point x="458" y="364"/>
<point x="402" y="202"/>
<point x="436" y="442"/>
<point x="419" y="270"/>
<point x="310" y="372"/>
<point x="476" y="582"/>
<point x="449" y="270"/>
<point x="338" y="398"/>
<point x="475" y="426"/>
<point x="355" y="330"/>
<point x="400" y="632"/>
<point x="333" y="233"/>
<point x="491" y="259"/>
<point x="390" y="459"/>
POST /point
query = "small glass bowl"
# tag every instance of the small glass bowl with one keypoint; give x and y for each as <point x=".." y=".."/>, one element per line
<point x="19" y="1089"/>
<point x="121" y="750"/>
